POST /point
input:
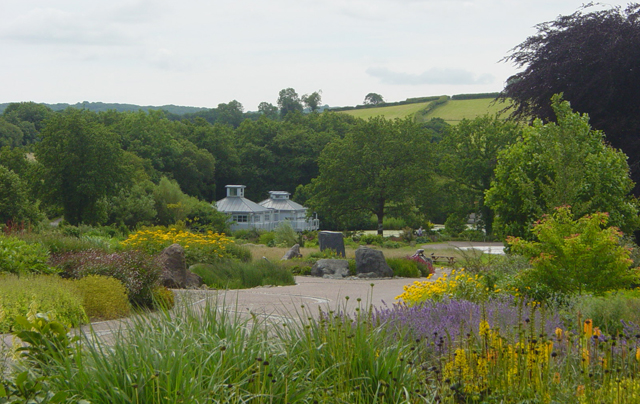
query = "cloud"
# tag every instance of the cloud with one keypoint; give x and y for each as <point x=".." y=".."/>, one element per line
<point x="434" y="75"/>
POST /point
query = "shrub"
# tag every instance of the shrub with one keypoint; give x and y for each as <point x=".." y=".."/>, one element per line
<point x="458" y="285"/>
<point x="455" y="224"/>
<point x="230" y="274"/>
<point x="268" y="239"/>
<point x="139" y="272"/>
<point x="57" y="243"/>
<point x="285" y="236"/>
<point x="103" y="297"/>
<point x="163" y="298"/>
<point x="391" y="244"/>
<point x="371" y="239"/>
<point x="404" y="268"/>
<point x="575" y="256"/>
<point x="407" y="235"/>
<point x="42" y="293"/>
<point x="198" y="247"/>
<point x="19" y="257"/>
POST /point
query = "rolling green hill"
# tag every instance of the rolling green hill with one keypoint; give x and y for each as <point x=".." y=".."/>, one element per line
<point x="453" y="111"/>
<point x="396" y="111"/>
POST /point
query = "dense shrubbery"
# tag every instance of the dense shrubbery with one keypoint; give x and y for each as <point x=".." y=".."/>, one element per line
<point x="405" y="268"/>
<point x="41" y="293"/>
<point x="19" y="257"/>
<point x="138" y="271"/>
<point x="103" y="298"/>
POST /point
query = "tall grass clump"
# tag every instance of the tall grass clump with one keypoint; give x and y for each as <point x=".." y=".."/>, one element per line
<point x="196" y="356"/>
<point x="232" y="274"/>
<point x="44" y="293"/>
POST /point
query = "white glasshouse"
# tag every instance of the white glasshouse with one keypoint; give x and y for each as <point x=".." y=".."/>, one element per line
<point x="268" y="214"/>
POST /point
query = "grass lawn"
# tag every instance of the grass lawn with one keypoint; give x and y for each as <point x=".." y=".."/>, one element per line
<point x="452" y="112"/>
<point x="456" y="110"/>
<point x="396" y="111"/>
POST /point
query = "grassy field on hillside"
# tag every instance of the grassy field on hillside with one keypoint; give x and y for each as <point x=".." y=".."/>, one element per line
<point x="452" y="112"/>
<point x="396" y="111"/>
<point x="456" y="110"/>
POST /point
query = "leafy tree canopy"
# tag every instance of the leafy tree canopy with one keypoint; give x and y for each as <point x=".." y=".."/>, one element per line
<point x="313" y="100"/>
<point x="373" y="99"/>
<point x="377" y="164"/>
<point x="560" y="164"/>
<point x="468" y="158"/>
<point x="82" y="165"/>
<point x="289" y="101"/>
<point x="594" y="59"/>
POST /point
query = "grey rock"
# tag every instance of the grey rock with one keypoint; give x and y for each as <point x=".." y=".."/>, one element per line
<point x="333" y="240"/>
<point x="294" y="252"/>
<point x="175" y="274"/>
<point x="335" y="269"/>
<point x="369" y="260"/>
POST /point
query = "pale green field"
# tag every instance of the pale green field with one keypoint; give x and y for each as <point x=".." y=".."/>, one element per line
<point x="456" y="110"/>
<point x="452" y="112"/>
<point x="396" y="111"/>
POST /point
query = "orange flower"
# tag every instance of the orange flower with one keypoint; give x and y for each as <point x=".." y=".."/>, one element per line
<point x="580" y="390"/>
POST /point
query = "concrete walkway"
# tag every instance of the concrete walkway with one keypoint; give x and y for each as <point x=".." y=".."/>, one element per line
<point x="281" y="303"/>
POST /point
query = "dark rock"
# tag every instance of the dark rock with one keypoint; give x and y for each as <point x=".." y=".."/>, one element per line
<point x="175" y="274"/>
<point x="330" y="268"/>
<point x="294" y="252"/>
<point x="333" y="240"/>
<point x="369" y="260"/>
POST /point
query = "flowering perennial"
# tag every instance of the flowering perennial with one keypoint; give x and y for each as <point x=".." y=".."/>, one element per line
<point x="153" y="241"/>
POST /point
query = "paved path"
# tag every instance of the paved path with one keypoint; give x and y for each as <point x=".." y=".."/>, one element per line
<point x="283" y="303"/>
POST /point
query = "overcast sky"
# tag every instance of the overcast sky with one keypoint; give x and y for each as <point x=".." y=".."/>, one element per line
<point x="202" y="53"/>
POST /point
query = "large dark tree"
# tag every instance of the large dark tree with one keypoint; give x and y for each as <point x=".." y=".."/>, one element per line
<point x="594" y="59"/>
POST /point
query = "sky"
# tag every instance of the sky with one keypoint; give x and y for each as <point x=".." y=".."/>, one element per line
<point x="206" y="52"/>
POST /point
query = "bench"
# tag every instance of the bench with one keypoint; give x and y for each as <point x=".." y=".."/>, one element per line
<point x="449" y="259"/>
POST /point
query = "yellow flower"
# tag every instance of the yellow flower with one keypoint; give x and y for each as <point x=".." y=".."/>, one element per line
<point x="559" y="334"/>
<point x="588" y="328"/>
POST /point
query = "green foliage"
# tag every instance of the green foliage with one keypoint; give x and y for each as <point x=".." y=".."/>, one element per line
<point x="19" y="257"/>
<point x="139" y="272"/>
<point x="404" y="268"/>
<point x="40" y="293"/>
<point x="268" y="239"/>
<point x="553" y="165"/>
<point x="469" y="152"/>
<point x="384" y="158"/>
<point x="284" y="235"/>
<point x="103" y="298"/>
<point x="163" y="298"/>
<point x="455" y="224"/>
<point x="609" y="311"/>
<point x="231" y="274"/>
<point x="82" y="164"/>
<point x="57" y="243"/>
<point x="239" y="252"/>
<point x="370" y="239"/>
<point x="16" y="205"/>
<point x="576" y="256"/>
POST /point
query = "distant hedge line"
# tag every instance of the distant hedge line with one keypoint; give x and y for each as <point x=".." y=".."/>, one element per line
<point x="474" y="96"/>
<point x="391" y="104"/>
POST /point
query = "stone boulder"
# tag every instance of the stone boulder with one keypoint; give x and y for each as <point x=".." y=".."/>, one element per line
<point x="175" y="274"/>
<point x="328" y="268"/>
<point x="372" y="263"/>
<point x="294" y="252"/>
<point x="333" y="240"/>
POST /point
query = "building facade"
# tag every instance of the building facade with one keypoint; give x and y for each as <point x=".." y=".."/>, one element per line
<point x="267" y="215"/>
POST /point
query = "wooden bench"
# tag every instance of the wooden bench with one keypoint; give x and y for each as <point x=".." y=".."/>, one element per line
<point x="449" y="259"/>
